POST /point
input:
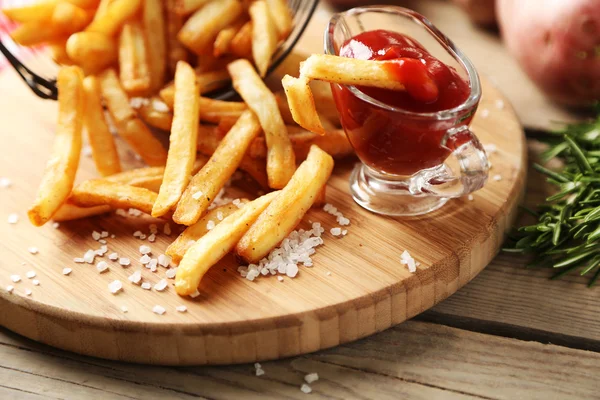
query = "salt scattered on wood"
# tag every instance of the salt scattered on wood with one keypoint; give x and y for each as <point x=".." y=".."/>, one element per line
<point x="164" y="260"/>
<point x="15" y="278"/>
<point x="470" y="197"/>
<point x="171" y="273"/>
<point x="136" y="277"/>
<point x="124" y="309"/>
<point x="5" y="183"/>
<point x="35" y="282"/>
<point x="67" y="271"/>
<point x="115" y="286"/>
<point x="10" y="288"/>
<point x="305" y="388"/>
<point x="181" y="309"/>
<point x="33" y="250"/>
<point x="497" y="178"/>
<point x="124" y="261"/>
<point x="312" y="377"/>
<point x="146" y="286"/>
<point x="30" y="274"/>
<point x="160" y="310"/>
<point x="28" y="292"/>
<point x="13" y="218"/>
<point x="161" y="285"/>
<point x="113" y="256"/>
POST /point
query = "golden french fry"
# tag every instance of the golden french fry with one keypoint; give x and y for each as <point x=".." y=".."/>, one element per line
<point x="325" y="103"/>
<point x="99" y="192"/>
<point x="70" y="212"/>
<point x="85" y="4"/>
<point x="68" y="18"/>
<point x="215" y="110"/>
<point x="302" y="104"/>
<point x="61" y="168"/>
<point x="153" y="21"/>
<point x="207" y="183"/>
<point x="92" y="51"/>
<point x="285" y="212"/>
<point x="102" y="9"/>
<point x="175" y="50"/>
<point x="207" y="82"/>
<point x="183" y="140"/>
<point x="156" y="114"/>
<point x="38" y="11"/>
<point x="177" y="249"/>
<point x="350" y="71"/>
<point x="281" y="16"/>
<point x="257" y="169"/>
<point x="264" y="36"/>
<point x="34" y="33"/>
<point x="281" y="162"/>
<point x="215" y="244"/>
<point x="134" y="68"/>
<point x="128" y="125"/>
<point x="58" y="49"/>
<point x="104" y="150"/>
<point x="200" y="30"/>
<point x="115" y="15"/>
<point x="185" y="7"/>
<point x="241" y="44"/>
<point x="224" y="38"/>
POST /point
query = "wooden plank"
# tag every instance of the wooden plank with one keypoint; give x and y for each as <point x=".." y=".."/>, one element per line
<point x="413" y="360"/>
<point x="10" y="393"/>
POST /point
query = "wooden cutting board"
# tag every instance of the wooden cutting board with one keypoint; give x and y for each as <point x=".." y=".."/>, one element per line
<point x="356" y="287"/>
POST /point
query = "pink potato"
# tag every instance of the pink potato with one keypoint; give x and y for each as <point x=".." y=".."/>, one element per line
<point x="557" y="43"/>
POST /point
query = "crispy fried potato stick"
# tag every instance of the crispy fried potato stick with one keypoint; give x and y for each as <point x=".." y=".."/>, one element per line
<point x="115" y="15"/>
<point x="68" y="18"/>
<point x="241" y="44"/>
<point x="264" y="36"/>
<point x="58" y="49"/>
<point x="134" y="69"/>
<point x="207" y="82"/>
<point x="224" y="38"/>
<point x="207" y="183"/>
<point x="61" y="168"/>
<point x="70" y="212"/>
<point x="35" y="33"/>
<point x="215" y="110"/>
<point x="286" y="211"/>
<point x="200" y="30"/>
<point x="281" y="162"/>
<point x="99" y="192"/>
<point x="183" y="140"/>
<point x="177" y="249"/>
<point x="153" y="22"/>
<point x="185" y="7"/>
<point x="129" y="126"/>
<point x="175" y="50"/>
<point x="302" y="104"/>
<point x="92" y="51"/>
<point x="104" y="150"/>
<point x="39" y="11"/>
<point x="156" y="114"/>
<point x="215" y="244"/>
<point x="281" y="16"/>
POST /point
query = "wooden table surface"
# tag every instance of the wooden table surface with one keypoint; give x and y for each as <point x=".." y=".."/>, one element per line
<point x="509" y="334"/>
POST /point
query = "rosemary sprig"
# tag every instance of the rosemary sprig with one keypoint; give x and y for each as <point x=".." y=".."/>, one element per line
<point x="566" y="236"/>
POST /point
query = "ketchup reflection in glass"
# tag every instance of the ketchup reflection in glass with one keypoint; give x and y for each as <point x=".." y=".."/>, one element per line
<point x="383" y="141"/>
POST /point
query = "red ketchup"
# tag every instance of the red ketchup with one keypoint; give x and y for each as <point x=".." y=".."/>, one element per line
<point x="389" y="141"/>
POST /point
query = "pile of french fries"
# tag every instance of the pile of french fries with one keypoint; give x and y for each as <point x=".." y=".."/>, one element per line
<point x="124" y="49"/>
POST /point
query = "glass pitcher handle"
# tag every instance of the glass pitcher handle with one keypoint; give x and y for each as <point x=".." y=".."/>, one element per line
<point x="464" y="172"/>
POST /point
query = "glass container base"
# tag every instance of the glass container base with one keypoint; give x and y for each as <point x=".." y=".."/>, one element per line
<point x="389" y="197"/>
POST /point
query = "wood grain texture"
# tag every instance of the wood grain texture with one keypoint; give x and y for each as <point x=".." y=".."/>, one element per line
<point x="414" y="360"/>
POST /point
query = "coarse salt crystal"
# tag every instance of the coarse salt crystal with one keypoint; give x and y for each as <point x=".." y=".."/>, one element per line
<point x="134" y="212"/>
<point x="164" y="260"/>
<point x="145" y="259"/>
<point x="160" y="310"/>
<point x="112" y="236"/>
<point x="167" y="229"/>
<point x="67" y="271"/>
<point x="153" y="228"/>
<point x="121" y="212"/>
<point x="115" y="286"/>
<point x="138" y="102"/>
<point x="13" y="218"/>
<point x="30" y="274"/>
<point x="260" y="372"/>
<point x="55" y="225"/>
<point x="28" y="292"/>
<point x="280" y="278"/>
<point x="89" y="256"/>
<point x="220" y="215"/>
<point x="124" y="309"/>
<point x="470" y="197"/>
<point x="124" y="261"/>
<point x="152" y="265"/>
<point x="10" y="288"/>
<point x="171" y="273"/>
<point x="35" y="282"/>
<point x="15" y="278"/>
<point x="328" y="273"/>
<point x="101" y="251"/>
<point x="96" y="235"/>
<point x="33" y="250"/>
<point x="104" y="234"/>
<point x="490" y="148"/>
<point x="195" y="294"/>
<point x="181" y="308"/>
<point x="145" y="249"/>
<point x="305" y="388"/>
<point x="113" y="256"/>
<point x="102" y="266"/>
<point x="210" y="224"/>
<point x="197" y="195"/>
<point x="291" y="270"/>
<point x="344" y="232"/>
<point x="136" y="277"/>
<point x="484" y="113"/>
<point x="160" y="106"/>
<point x="336" y="231"/>
<point x="237" y="203"/>
<point x="78" y="260"/>
<point x="146" y="285"/>
<point x="5" y="183"/>
<point x="143" y="237"/>
<point x="161" y="285"/>
<point x="137" y="233"/>
<point x="497" y="178"/>
<point x="152" y="238"/>
<point x="102" y="241"/>
<point x="499" y="104"/>
<point x="312" y="377"/>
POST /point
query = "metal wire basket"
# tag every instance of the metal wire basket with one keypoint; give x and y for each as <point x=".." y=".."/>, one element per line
<point x="38" y="70"/>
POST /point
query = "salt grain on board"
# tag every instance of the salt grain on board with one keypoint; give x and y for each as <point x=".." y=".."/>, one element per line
<point x="15" y="278"/>
<point x="124" y="309"/>
<point x="115" y="286"/>
<point x="78" y="260"/>
<point x="145" y="249"/>
<point x="160" y="310"/>
<point x="35" y="282"/>
<point x="5" y="183"/>
<point x="312" y="377"/>
<point x="145" y="259"/>
<point x="28" y="292"/>
<point x="113" y="256"/>
<point x="305" y="388"/>
<point x="146" y="285"/>
<point x="96" y="235"/>
<point x="30" y="274"/>
<point x="67" y="271"/>
<point x="152" y="238"/>
<point x="13" y="218"/>
<point x="101" y="267"/>
<point x="10" y="288"/>
<point x="137" y="234"/>
<point x="104" y="234"/>
<point x="136" y="277"/>
<point x="33" y="250"/>
<point x="124" y="261"/>
<point x="171" y="273"/>
<point x="181" y="309"/>
<point x="470" y="197"/>
<point x="161" y="285"/>
<point x="195" y="294"/>
<point x="167" y="229"/>
<point x="89" y="256"/>
<point x="497" y="178"/>
<point x="164" y="260"/>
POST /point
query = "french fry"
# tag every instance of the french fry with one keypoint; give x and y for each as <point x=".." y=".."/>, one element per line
<point x="68" y="18"/>
<point x="264" y="36"/>
<point x="97" y="192"/>
<point x="115" y="15"/>
<point x="156" y="117"/>
<point x="302" y="104"/>
<point x="104" y="150"/>
<point x="281" y="16"/>
<point x="61" y="168"/>
<point x="38" y="11"/>
<point x="207" y="82"/>
<point x="281" y="162"/>
<point x="92" y="51"/>
<point x="102" y="9"/>
<point x="224" y="38"/>
<point x="153" y="21"/>
<point x="34" y="33"/>
<point x="185" y="7"/>
<point x="215" y="110"/>
<point x="177" y="249"/>
<point x="129" y="126"/>
<point x="175" y="50"/>
<point x="58" y="50"/>
<point x="85" y="4"/>
<point x="286" y="211"/>
<point x="207" y="183"/>
<point x="134" y="68"/>
<point x="183" y="140"/>
<point x="241" y="44"/>
<point x="70" y="212"/>
<point x="200" y="30"/>
<point x="257" y="169"/>
<point x="350" y="71"/>
<point x="325" y="103"/>
<point x="215" y="244"/>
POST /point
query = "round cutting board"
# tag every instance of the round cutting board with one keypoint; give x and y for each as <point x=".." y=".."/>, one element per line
<point x="356" y="287"/>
